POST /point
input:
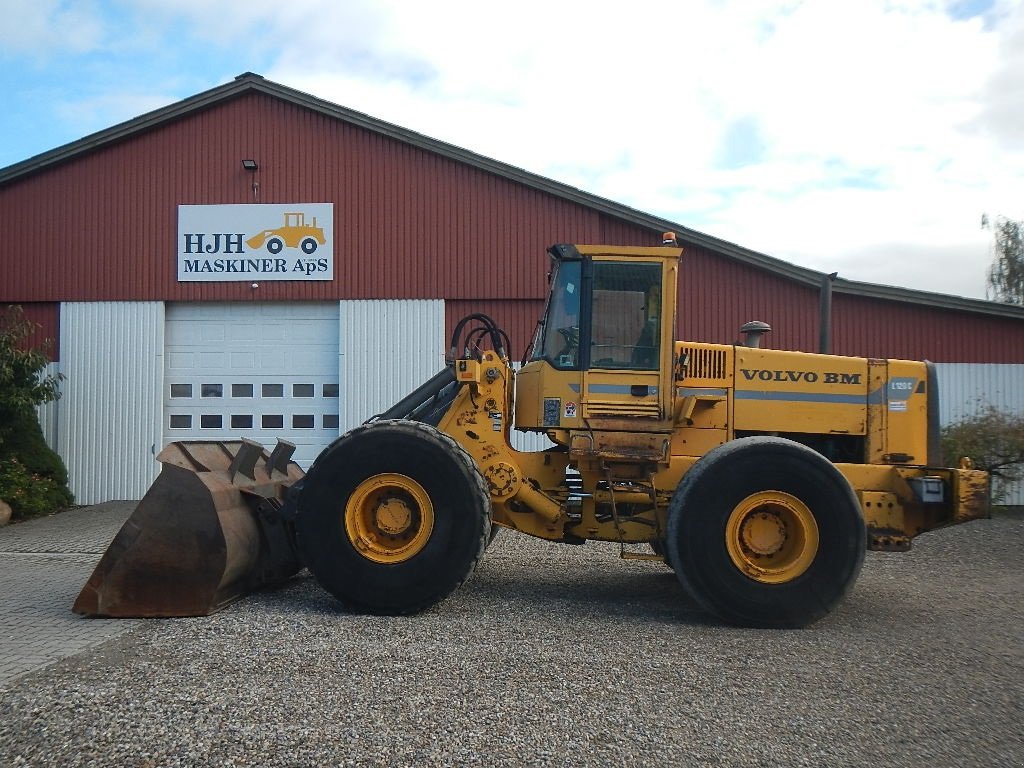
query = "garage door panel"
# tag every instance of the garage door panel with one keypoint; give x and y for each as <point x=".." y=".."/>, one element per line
<point x="180" y="360"/>
<point x="211" y="332"/>
<point x="242" y="361"/>
<point x="232" y="373"/>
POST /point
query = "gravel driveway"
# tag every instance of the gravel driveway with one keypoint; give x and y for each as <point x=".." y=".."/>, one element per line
<point x="557" y="655"/>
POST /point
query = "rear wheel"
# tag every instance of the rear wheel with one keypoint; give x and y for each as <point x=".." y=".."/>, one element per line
<point x="393" y="517"/>
<point x="766" y="532"/>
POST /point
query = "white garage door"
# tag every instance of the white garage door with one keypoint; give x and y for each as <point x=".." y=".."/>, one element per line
<point x="261" y="371"/>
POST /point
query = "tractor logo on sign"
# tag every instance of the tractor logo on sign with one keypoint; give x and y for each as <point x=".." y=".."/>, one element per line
<point x="295" y="233"/>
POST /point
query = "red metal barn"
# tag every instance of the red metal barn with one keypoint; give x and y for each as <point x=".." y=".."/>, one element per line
<point x="112" y="245"/>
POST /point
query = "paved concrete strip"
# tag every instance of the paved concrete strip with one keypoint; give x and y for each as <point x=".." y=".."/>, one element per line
<point x="43" y="565"/>
<point x="86" y="530"/>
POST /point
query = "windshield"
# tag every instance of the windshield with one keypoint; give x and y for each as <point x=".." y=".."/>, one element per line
<point x="558" y="339"/>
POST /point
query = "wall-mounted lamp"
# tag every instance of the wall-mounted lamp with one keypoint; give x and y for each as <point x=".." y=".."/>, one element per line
<point x="252" y="166"/>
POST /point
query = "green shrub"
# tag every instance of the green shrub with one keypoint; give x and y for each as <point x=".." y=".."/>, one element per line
<point x="33" y="479"/>
<point x="27" y="443"/>
<point x="28" y="493"/>
<point x="994" y="440"/>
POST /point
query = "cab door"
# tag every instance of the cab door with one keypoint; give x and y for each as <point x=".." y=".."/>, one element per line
<point x="627" y="356"/>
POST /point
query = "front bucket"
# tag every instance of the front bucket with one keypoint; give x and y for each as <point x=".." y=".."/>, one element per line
<point x="206" y="533"/>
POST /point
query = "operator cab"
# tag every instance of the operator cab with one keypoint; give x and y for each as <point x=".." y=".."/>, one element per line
<point x="602" y="353"/>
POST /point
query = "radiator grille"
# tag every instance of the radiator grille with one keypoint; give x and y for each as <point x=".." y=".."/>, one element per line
<point x="705" y="363"/>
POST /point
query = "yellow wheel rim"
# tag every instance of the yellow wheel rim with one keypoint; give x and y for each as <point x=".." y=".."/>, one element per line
<point x="388" y="518"/>
<point x="772" y="537"/>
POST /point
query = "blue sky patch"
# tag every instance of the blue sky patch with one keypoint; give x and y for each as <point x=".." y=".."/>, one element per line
<point x="742" y="144"/>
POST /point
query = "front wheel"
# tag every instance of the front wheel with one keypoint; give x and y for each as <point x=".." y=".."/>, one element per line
<point x="393" y="517"/>
<point x="765" y="532"/>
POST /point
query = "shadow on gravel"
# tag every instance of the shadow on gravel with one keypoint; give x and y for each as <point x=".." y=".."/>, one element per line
<point x="653" y="595"/>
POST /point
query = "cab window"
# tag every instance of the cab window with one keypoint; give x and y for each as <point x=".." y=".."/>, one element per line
<point x="625" y="326"/>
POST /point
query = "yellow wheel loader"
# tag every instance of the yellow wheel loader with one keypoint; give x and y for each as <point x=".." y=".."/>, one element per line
<point x="759" y="476"/>
<point x="295" y="233"/>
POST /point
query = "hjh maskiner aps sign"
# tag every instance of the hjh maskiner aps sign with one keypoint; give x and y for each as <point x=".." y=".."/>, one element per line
<point x="222" y="243"/>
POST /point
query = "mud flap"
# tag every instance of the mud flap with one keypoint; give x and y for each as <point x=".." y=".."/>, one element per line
<point x="207" y="532"/>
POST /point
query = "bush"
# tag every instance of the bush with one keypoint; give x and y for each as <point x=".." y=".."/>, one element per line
<point x="33" y="479"/>
<point x="27" y="443"/>
<point x="22" y="383"/>
<point x="994" y="441"/>
<point x="30" y="494"/>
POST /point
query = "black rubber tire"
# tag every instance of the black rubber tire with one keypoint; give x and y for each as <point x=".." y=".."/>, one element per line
<point x="309" y="246"/>
<point x="712" y="489"/>
<point x="275" y="245"/>
<point x="457" y="492"/>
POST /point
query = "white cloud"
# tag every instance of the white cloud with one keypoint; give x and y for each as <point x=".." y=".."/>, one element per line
<point x="38" y="28"/>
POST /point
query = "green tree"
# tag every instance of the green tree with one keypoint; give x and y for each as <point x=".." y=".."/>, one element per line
<point x="33" y="479"/>
<point x="1006" y="274"/>
<point x="994" y="440"/>
<point x="22" y="385"/>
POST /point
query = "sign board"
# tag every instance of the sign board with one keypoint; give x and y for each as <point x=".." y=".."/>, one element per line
<point x="254" y="243"/>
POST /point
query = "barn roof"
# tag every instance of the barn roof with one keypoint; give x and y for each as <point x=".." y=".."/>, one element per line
<point x="250" y="82"/>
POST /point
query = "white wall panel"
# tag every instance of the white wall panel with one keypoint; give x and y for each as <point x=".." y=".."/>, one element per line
<point x="387" y="349"/>
<point x="110" y="414"/>
<point x="966" y="388"/>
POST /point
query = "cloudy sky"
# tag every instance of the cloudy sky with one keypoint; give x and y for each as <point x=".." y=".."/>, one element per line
<point x="866" y="137"/>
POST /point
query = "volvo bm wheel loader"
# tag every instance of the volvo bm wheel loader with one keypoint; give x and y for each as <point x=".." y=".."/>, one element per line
<point x="759" y="476"/>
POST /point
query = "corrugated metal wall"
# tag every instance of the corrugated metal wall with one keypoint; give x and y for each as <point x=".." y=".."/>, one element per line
<point x="387" y="349"/>
<point x="869" y="327"/>
<point x="717" y="295"/>
<point x="110" y="415"/>
<point x="964" y="390"/>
